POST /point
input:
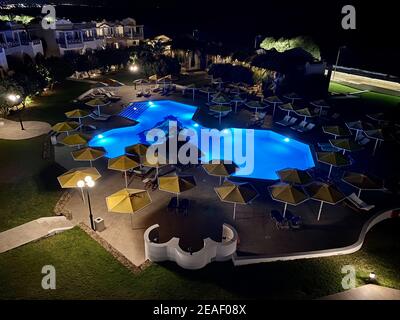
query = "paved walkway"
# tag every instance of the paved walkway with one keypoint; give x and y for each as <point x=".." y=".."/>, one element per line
<point x="11" y="130"/>
<point x="367" y="292"/>
<point x="32" y="231"/>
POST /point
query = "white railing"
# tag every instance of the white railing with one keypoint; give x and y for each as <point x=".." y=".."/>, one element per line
<point x="211" y="251"/>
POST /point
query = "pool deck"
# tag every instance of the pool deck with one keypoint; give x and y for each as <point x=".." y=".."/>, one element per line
<point x="339" y="225"/>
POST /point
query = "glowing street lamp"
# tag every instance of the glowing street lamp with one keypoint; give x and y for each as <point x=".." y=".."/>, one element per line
<point x="372" y="276"/>
<point x="14" y="97"/>
<point x="134" y="68"/>
<point x="87" y="183"/>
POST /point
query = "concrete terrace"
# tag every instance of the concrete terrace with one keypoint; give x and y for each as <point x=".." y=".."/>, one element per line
<point x="339" y="226"/>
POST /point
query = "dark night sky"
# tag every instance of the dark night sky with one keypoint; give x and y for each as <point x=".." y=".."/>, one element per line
<point x="374" y="45"/>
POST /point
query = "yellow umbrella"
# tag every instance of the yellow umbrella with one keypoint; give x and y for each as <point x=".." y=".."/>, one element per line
<point x="294" y="176"/>
<point x="77" y="114"/>
<point x="76" y="139"/>
<point x="138" y="149"/>
<point x="220" y="169"/>
<point x="336" y="131"/>
<point x="122" y="163"/>
<point x="334" y="159"/>
<point x="128" y="201"/>
<point x="88" y="154"/>
<point x="255" y="105"/>
<point x="287" y="107"/>
<point x="287" y="194"/>
<point x="345" y="145"/>
<point x="324" y="192"/>
<point x="220" y="109"/>
<point x="176" y="184"/>
<point x="70" y="178"/>
<point x="242" y="193"/>
<point x="362" y="181"/>
<point x="292" y="96"/>
<point x="65" y="126"/>
<point x="274" y="100"/>
<point x="220" y="98"/>
<point x="321" y="104"/>
<point x="155" y="161"/>
<point x="305" y="112"/>
<point x="98" y="102"/>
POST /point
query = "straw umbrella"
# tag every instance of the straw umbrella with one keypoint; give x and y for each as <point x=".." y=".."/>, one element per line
<point x="242" y="193"/>
<point x="236" y="99"/>
<point x="292" y="96"/>
<point x="274" y="100"/>
<point x="321" y="104"/>
<point x="176" y="184"/>
<point x="88" y="154"/>
<point x="220" y="109"/>
<point x="336" y="131"/>
<point x="287" y="107"/>
<point x="128" y="201"/>
<point x="294" y="176"/>
<point x="334" y="159"/>
<point x="325" y="193"/>
<point x="70" y="178"/>
<point x="288" y="194"/>
<point x="122" y="163"/>
<point x="76" y="140"/>
<point x="255" y="105"/>
<point x="220" y="168"/>
<point x="77" y="114"/>
<point x="358" y="126"/>
<point x="305" y="112"/>
<point x="217" y="81"/>
<point x="377" y="135"/>
<point x="190" y="87"/>
<point x="363" y="182"/>
<point x="66" y="126"/>
<point x="345" y="145"/>
<point x="97" y="103"/>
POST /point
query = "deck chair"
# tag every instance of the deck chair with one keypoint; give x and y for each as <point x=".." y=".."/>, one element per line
<point x="326" y="146"/>
<point x="300" y="126"/>
<point x="307" y="128"/>
<point x="358" y="203"/>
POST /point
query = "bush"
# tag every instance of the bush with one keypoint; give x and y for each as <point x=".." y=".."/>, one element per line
<point x="284" y="44"/>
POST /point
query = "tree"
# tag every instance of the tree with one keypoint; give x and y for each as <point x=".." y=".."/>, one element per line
<point x="284" y="44"/>
<point x="57" y="69"/>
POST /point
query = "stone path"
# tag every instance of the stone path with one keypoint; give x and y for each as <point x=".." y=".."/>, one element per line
<point x="367" y="292"/>
<point x="32" y="231"/>
<point x="11" y="130"/>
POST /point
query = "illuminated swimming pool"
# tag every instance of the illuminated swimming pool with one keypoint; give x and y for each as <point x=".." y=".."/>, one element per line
<point x="272" y="151"/>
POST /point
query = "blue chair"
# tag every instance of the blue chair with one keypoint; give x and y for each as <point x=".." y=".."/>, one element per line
<point x="294" y="221"/>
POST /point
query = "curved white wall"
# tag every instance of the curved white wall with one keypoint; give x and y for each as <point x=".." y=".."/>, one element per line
<point x="212" y="250"/>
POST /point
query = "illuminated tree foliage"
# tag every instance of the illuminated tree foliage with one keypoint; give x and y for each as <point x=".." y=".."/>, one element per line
<point x="283" y="44"/>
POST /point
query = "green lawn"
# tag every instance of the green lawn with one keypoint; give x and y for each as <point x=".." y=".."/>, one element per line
<point x="86" y="271"/>
<point x="28" y="185"/>
<point x="51" y="106"/>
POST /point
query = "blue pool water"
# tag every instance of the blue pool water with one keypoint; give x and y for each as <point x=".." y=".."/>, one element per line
<point x="272" y="151"/>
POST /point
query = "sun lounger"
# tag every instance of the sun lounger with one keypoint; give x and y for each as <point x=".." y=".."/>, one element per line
<point x="307" y="128"/>
<point x="280" y="221"/>
<point x="139" y="94"/>
<point x="147" y="94"/>
<point x="364" y="141"/>
<point x="111" y="96"/>
<point x="291" y="121"/>
<point x="326" y="146"/>
<point x="358" y="203"/>
<point x="300" y="126"/>
<point x="284" y="121"/>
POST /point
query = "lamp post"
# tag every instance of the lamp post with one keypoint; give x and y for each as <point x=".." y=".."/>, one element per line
<point x="337" y="60"/>
<point x="87" y="183"/>
<point x="15" y="98"/>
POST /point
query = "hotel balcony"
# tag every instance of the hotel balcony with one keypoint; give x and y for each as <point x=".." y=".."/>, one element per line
<point x="25" y="46"/>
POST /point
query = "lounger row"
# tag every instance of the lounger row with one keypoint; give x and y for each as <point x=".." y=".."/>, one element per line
<point x="289" y="121"/>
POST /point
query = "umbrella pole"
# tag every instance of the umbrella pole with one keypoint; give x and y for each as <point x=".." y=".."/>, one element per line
<point x="320" y="209"/>
<point x="234" y="211"/>
<point x="98" y="110"/>
<point x="376" y="145"/>
<point x="359" y="192"/>
<point x="357" y="131"/>
<point x="220" y="180"/>
<point x="193" y="94"/>
<point x="220" y="117"/>
<point x="284" y="209"/>
<point x="126" y="180"/>
<point x="273" y="111"/>
<point x="330" y="170"/>
<point x="157" y="172"/>
<point x="91" y="165"/>
<point x="83" y="195"/>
